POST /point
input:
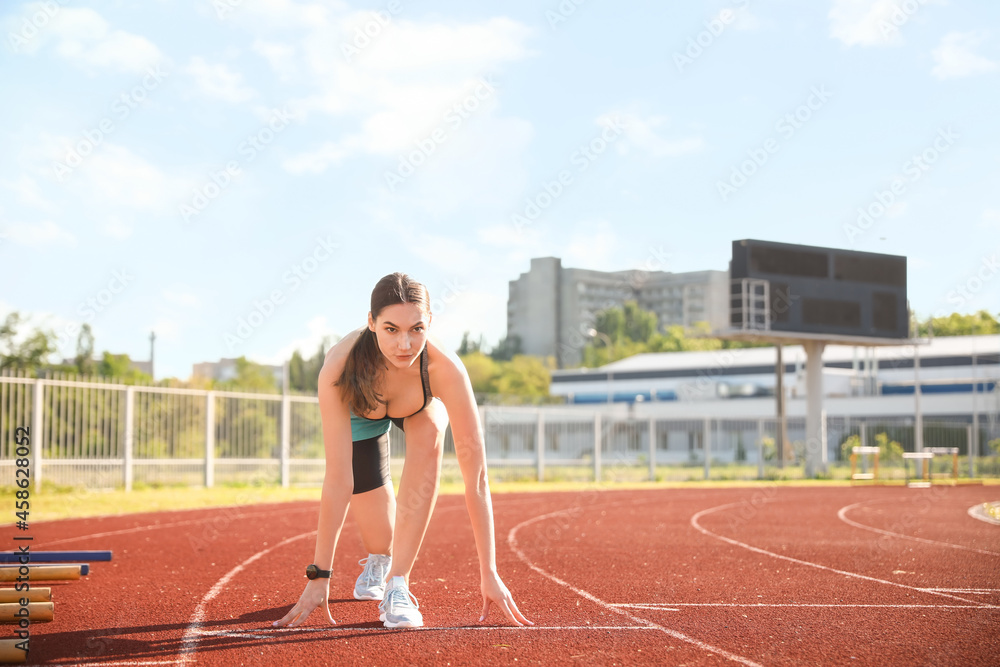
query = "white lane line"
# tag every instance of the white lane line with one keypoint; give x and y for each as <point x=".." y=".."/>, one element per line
<point x="270" y="634"/>
<point x="668" y="606"/>
<point x="842" y="515"/>
<point x="189" y="643"/>
<point x="855" y="575"/>
<point x="512" y="542"/>
<point x="969" y="591"/>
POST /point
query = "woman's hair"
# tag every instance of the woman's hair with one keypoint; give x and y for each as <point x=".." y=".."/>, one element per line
<point x="360" y="377"/>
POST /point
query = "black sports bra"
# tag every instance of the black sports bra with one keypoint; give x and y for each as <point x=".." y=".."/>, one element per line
<point x="425" y="381"/>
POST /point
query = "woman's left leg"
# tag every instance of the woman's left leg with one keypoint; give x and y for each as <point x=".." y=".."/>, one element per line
<point x="418" y="486"/>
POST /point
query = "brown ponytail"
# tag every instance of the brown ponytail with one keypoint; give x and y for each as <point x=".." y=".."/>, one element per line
<point x="363" y="367"/>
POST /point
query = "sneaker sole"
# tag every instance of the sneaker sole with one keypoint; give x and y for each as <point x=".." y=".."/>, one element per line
<point x="403" y="624"/>
<point x="367" y="597"/>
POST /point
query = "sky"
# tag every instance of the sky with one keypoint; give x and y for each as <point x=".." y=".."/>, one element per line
<point x="236" y="175"/>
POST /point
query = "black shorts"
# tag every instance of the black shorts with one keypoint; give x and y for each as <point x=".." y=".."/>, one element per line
<point x="371" y="461"/>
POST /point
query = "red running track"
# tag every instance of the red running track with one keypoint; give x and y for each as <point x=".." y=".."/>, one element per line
<point x="762" y="575"/>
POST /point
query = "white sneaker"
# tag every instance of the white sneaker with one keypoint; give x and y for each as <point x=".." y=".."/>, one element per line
<point x="399" y="606"/>
<point x="371" y="582"/>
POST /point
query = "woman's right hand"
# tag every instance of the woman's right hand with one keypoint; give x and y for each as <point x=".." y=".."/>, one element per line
<point x="317" y="593"/>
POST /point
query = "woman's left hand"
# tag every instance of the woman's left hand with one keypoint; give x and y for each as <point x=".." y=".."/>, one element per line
<point x="494" y="592"/>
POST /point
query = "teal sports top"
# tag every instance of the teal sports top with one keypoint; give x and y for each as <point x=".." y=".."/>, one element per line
<point x="363" y="428"/>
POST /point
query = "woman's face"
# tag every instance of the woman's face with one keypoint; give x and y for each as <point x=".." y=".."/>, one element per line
<point x="401" y="331"/>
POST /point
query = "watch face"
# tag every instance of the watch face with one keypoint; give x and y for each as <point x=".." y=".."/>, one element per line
<point x="312" y="571"/>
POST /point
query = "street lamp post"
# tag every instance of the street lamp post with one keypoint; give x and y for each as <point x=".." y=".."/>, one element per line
<point x="594" y="333"/>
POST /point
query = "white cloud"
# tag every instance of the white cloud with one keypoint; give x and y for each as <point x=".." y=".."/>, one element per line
<point x="37" y="234"/>
<point x="872" y="22"/>
<point x="954" y="57"/>
<point x="219" y="82"/>
<point x="29" y="192"/>
<point x="84" y="38"/>
<point x="117" y="177"/>
<point x="645" y="134"/>
<point x="396" y="88"/>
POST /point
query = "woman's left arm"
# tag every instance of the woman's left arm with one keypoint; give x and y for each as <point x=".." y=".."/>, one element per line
<point x="451" y="384"/>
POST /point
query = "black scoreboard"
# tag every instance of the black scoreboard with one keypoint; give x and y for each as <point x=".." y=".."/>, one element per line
<point x="823" y="290"/>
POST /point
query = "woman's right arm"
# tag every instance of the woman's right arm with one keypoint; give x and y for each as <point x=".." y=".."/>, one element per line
<point x="338" y="485"/>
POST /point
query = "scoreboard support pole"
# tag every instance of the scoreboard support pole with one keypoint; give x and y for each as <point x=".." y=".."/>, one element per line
<point x="815" y="426"/>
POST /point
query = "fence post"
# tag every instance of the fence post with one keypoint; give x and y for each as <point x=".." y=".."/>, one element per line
<point x="760" y="449"/>
<point x="209" y="439"/>
<point x="286" y="438"/>
<point x="37" y="427"/>
<point x="129" y="434"/>
<point x="540" y="445"/>
<point x="707" y="446"/>
<point x="597" y="447"/>
<point x="652" y="449"/>
<point x="972" y="458"/>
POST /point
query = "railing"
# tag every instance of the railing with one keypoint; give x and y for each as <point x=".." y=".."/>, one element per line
<point x="107" y="435"/>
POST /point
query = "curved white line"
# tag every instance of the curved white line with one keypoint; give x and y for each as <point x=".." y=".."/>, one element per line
<point x="842" y="515"/>
<point x="189" y="644"/>
<point x="977" y="512"/>
<point x="512" y="542"/>
<point x="855" y="575"/>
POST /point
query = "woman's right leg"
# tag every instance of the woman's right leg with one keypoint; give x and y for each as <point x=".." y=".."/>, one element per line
<point x="375" y="513"/>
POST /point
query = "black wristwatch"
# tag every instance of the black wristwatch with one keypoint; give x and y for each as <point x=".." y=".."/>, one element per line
<point x="313" y="572"/>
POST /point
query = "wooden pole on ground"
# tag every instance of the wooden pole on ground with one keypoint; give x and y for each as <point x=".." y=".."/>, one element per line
<point x="10" y="654"/>
<point x="37" y="611"/>
<point x="34" y="595"/>
<point x="42" y="573"/>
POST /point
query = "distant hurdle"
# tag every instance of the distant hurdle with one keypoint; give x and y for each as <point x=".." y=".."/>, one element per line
<point x="925" y="459"/>
<point x="864" y="451"/>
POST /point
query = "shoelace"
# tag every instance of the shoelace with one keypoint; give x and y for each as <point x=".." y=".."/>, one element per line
<point x="369" y="574"/>
<point x="401" y="597"/>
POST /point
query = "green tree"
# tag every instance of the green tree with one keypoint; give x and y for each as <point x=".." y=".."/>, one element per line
<point x="524" y="376"/>
<point x="84" y="359"/>
<point x="957" y="324"/>
<point x="483" y="371"/>
<point x="251" y="376"/>
<point x="28" y="354"/>
<point x="469" y="346"/>
<point x="303" y="374"/>
<point x="120" y="366"/>
<point x="507" y="348"/>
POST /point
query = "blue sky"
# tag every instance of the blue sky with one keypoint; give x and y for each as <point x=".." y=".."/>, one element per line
<point x="237" y="174"/>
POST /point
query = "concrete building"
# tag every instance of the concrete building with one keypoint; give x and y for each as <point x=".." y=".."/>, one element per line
<point x="551" y="307"/>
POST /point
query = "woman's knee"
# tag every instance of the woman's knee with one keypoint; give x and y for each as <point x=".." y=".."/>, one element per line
<point x="427" y="428"/>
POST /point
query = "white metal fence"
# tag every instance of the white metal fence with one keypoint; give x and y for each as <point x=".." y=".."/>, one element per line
<point x="105" y="435"/>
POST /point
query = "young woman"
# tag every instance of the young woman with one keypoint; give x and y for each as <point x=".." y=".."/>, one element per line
<point x="384" y="373"/>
